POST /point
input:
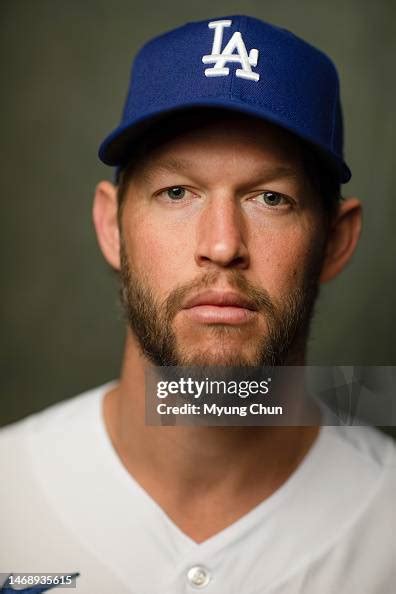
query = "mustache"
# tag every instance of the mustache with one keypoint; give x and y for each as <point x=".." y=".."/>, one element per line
<point x="259" y="298"/>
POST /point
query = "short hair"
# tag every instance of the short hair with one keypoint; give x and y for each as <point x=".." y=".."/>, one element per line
<point x="319" y="172"/>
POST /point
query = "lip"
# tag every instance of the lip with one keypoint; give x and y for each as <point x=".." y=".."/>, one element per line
<point x="220" y="299"/>
<point x="220" y="307"/>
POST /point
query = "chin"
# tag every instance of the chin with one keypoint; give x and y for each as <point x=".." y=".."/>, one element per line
<point x="220" y="346"/>
<point x="230" y="357"/>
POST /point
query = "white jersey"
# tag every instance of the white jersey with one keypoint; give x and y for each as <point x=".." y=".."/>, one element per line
<point x="68" y="505"/>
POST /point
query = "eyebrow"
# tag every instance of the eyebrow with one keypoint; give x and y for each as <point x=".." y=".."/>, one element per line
<point x="173" y="164"/>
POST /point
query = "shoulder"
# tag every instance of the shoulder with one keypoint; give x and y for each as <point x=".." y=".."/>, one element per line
<point x="364" y="456"/>
<point x="18" y="439"/>
<point x="364" y="482"/>
<point x="363" y="543"/>
<point x="364" y="446"/>
<point x="39" y="464"/>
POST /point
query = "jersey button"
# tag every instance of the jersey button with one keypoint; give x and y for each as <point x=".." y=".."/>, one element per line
<point x="198" y="576"/>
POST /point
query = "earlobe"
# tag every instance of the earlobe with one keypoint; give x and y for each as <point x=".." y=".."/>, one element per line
<point x="343" y="238"/>
<point x="105" y="220"/>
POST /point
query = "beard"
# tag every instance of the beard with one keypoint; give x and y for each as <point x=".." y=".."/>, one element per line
<point x="283" y="342"/>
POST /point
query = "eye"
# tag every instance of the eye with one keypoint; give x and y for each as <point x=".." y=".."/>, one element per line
<point x="176" y="196"/>
<point x="175" y="193"/>
<point x="273" y="198"/>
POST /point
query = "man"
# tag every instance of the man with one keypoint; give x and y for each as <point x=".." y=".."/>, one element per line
<point x="224" y="220"/>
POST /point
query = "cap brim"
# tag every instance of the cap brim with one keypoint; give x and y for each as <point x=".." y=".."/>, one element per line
<point x="117" y="147"/>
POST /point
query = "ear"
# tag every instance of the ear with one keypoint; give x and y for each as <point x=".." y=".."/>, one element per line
<point x="104" y="214"/>
<point x="343" y="238"/>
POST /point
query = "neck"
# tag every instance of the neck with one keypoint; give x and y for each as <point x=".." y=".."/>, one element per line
<point x="179" y="464"/>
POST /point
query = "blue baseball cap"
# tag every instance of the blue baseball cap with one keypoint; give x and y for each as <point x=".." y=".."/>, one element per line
<point x="237" y="63"/>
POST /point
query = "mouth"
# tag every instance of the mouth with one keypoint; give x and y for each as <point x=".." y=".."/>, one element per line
<point x="220" y="307"/>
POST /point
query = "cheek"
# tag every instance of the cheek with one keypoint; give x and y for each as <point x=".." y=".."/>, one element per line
<point x="159" y="252"/>
<point x="281" y="257"/>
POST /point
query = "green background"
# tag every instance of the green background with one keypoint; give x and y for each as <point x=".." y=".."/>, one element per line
<point x="65" y="66"/>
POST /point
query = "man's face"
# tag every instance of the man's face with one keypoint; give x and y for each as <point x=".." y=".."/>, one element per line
<point x="222" y="242"/>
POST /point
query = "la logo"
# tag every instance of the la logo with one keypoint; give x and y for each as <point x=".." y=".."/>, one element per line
<point x="220" y="58"/>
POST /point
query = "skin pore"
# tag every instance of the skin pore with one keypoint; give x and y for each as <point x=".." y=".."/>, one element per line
<point x="224" y="206"/>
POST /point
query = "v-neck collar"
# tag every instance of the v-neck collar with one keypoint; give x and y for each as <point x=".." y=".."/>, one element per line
<point x="235" y="529"/>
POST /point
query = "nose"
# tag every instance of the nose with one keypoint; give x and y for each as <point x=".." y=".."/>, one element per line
<point x="221" y="234"/>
